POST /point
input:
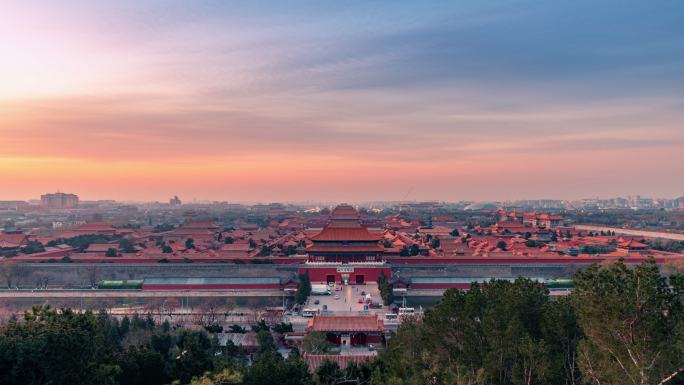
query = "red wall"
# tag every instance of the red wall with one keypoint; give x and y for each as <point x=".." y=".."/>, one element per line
<point x="211" y="287"/>
<point x="516" y="260"/>
<point x="440" y="285"/>
<point x="370" y="274"/>
<point x="356" y="338"/>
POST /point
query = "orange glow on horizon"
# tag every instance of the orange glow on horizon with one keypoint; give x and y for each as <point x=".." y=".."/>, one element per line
<point x="120" y="101"/>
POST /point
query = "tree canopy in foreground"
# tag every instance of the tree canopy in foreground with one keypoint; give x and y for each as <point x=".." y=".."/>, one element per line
<point x="620" y="326"/>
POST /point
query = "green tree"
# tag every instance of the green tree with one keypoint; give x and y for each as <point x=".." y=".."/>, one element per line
<point x="33" y="247"/>
<point x="633" y="320"/>
<point x="193" y="358"/>
<point x="296" y="370"/>
<point x="303" y="288"/>
<point x="226" y="376"/>
<point x="329" y="373"/>
<point x="111" y="252"/>
<point x="316" y="343"/>
<point x="561" y="333"/>
<point x="164" y="227"/>
<point x="414" y="250"/>
<point x="282" y="328"/>
<point x="266" y="341"/>
<point x="189" y="243"/>
<point x="386" y="290"/>
<point x="501" y="245"/>
<point x="360" y="373"/>
<point x="270" y="368"/>
<point x="237" y="329"/>
<point x="142" y="366"/>
<point x="82" y="242"/>
<point x="56" y="348"/>
<point x="126" y="246"/>
<point x="498" y="333"/>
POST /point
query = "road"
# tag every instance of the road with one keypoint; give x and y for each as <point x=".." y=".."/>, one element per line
<point x="345" y="300"/>
<point x="638" y="233"/>
<point x="346" y="304"/>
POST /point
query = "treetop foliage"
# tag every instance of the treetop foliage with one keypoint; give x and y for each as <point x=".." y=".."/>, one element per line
<point x="621" y="325"/>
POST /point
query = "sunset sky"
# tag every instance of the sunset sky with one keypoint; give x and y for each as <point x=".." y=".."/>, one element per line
<point x="341" y="100"/>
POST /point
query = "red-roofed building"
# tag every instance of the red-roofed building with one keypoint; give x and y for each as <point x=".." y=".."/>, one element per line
<point x="349" y="234"/>
<point x="94" y="228"/>
<point x="344" y="240"/>
<point x="543" y="220"/>
<point x="349" y="330"/>
<point x="12" y="240"/>
<point x="513" y="227"/>
<point x="204" y="225"/>
<point x="101" y="247"/>
<point x="632" y="245"/>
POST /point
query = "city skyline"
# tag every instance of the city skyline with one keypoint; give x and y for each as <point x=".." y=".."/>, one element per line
<point x="177" y="201"/>
<point x="496" y="100"/>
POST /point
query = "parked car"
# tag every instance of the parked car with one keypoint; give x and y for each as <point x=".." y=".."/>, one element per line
<point x="360" y="300"/>
<point x="316" y="302"/>
<point x="337" y="296"/>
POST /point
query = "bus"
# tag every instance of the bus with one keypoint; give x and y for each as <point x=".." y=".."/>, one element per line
<point x="310" y="312"/>
<point x="320" y="290"/>
<point x="131" y="284"/>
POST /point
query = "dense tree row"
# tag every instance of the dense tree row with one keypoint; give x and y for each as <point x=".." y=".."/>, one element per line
<point x="64" y="347"/>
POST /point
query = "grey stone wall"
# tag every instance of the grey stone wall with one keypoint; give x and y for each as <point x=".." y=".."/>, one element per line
<point x="83" y="275"/>
<point x="76" y="275"/>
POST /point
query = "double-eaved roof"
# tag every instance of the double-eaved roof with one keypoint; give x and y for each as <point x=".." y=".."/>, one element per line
<point x="349" y="234"/>
<point x="345" y="248"/>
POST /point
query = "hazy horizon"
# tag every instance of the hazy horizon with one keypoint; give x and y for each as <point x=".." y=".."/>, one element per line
<point x="344" y="101"/>
<point x="198" y="200"/>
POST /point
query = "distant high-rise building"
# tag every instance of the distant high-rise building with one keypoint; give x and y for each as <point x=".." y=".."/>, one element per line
<point x="175" y="201"/>
<point x="59" y="201"/>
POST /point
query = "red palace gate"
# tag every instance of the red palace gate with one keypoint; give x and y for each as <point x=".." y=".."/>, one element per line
<point x="355" y="275"/>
